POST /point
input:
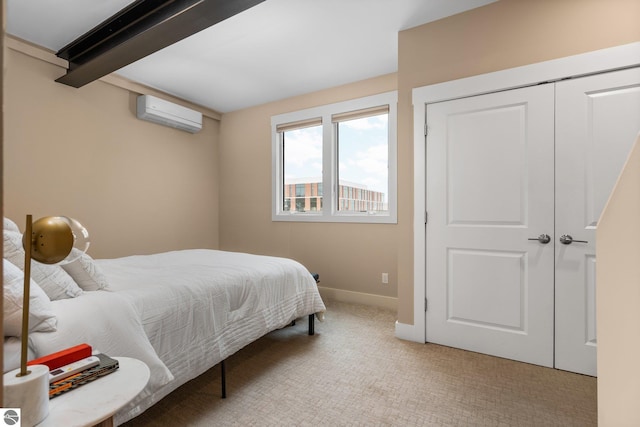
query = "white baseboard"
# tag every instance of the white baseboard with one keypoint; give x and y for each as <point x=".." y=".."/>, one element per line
<point x="410" y="332"/>
<point x="359" y="298"/>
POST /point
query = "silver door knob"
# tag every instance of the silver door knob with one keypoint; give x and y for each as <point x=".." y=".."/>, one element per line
<point x="543" y="238"/>
<point x="566" y="239"/>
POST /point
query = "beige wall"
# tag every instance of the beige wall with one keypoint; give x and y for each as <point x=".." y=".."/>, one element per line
<point x="138" y="187"/>
<point x="501" y="35"/>
<point x="618" y="294"/>
<point x="347" y="256"/>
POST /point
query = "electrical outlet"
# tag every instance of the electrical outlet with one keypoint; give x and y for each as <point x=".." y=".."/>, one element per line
<point x="385" y="277"/>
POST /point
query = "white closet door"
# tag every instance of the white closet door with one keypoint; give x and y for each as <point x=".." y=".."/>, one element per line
<point x="489" y="190"/>
<point x="597" y="120"/>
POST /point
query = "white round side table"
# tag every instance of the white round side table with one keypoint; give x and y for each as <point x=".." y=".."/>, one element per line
<point x="94" y="404"/>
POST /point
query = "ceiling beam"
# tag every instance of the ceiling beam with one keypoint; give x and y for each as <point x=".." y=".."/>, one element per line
<point x="140" y="29"/>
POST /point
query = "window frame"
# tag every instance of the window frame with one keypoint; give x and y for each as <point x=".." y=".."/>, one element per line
<point x="330" y="209"/>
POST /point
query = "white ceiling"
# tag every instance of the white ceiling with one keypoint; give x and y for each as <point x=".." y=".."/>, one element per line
<point x="275" y="50"/>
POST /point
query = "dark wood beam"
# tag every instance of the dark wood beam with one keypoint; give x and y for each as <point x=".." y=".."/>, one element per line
<point x="142" y="28"/>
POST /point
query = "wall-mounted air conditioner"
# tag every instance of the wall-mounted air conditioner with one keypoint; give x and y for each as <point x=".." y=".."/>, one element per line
<point x="167" y="113"/>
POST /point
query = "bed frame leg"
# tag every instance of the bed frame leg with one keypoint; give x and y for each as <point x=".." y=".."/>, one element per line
<point x="223" y="380"/>
<point x="316" y="277"/>
<point x="311" y="324"/>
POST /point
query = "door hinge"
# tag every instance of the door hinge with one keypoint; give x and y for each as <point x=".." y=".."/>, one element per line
<point x="426" y="129"/>
<point x="425" y="305"/>
<point x="426" y="216"/>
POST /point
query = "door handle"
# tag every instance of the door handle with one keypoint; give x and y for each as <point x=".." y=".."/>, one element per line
<point x="566" y="239"/>
<point x="543" y="238"/>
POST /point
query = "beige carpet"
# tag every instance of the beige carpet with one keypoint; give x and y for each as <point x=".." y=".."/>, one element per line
<point x="354" y="372"/>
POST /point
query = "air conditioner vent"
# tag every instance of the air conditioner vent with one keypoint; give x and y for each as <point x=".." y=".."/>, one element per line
<point x="156" y="110"/>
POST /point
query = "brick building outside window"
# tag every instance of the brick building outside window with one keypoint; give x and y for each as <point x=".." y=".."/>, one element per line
<point x="306" y="194"/>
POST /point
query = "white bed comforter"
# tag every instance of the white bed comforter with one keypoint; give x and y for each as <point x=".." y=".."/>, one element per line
<point x="182" y="312"/>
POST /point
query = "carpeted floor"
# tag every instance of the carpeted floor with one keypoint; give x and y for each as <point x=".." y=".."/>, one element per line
<point x="354" y="372"/>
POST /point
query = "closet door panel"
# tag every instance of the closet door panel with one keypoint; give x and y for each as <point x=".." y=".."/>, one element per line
<point x="597" y="121"/>
<point x="489" y="195"/>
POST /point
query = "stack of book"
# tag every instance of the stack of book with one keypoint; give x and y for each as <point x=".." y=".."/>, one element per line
<point x="73" y="367"/>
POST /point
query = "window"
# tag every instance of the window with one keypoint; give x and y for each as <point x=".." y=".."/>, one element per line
<point x="348" y="148"/>
<point x="302" y="153"/>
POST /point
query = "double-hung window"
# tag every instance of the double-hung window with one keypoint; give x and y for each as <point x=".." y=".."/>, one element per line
<point x="337" y="162"/>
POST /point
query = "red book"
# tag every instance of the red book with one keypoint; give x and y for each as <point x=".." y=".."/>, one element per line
<point x="63" y="357"/>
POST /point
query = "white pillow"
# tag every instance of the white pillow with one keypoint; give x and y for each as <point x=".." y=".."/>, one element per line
<point x="10" y="225"/>
<point x="41" y="315"/>
<point x="53" y="280"/>
<point x="87" y="274"/>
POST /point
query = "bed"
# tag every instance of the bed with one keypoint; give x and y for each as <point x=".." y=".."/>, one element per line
<point x="180" y="312"/>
